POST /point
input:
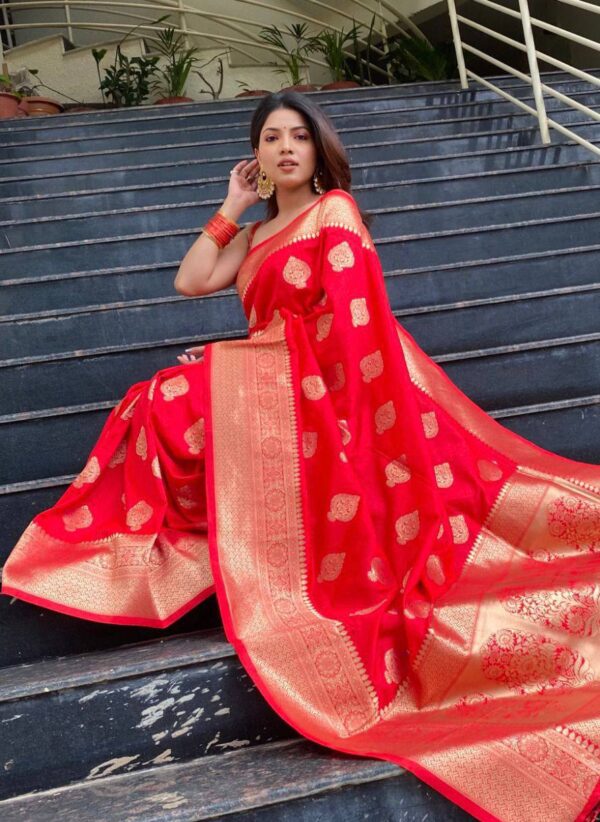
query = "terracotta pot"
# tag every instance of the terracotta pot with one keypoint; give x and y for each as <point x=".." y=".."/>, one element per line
<point x="9" y="104"/>
<point x="83" y="107"/>
<point x="301" y="87"/>
<point x="43" y="105"/>
<point x="256" y="92"/>
<point x="340" y="84"/>
<point x="174" y="100"/>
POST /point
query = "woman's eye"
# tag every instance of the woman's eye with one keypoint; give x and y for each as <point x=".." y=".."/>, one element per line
<point x="270" y="138"/>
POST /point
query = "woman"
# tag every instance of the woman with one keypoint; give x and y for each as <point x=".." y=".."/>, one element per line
<point x="402" y="576"/>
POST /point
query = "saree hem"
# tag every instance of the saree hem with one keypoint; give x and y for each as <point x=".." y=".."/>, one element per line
<point x="111" y="619"/>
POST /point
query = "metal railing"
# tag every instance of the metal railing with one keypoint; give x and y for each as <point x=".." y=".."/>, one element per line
<point x="237" y="30"/>
<point x="533" y="55"/>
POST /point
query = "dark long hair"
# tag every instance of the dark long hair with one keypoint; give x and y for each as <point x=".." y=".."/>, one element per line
<point x="332" y="161"/>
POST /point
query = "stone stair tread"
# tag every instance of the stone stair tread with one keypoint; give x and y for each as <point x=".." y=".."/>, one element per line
<point x="210" y="787"/>
<point x="74" y="671"/>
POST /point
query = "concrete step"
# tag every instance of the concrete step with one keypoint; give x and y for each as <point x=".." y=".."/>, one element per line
<point x="455" y="328"/>
<point x="289" y="781"/>
<point x="389" y="144"/>
<point x="31" y="633"/>
<point x="441" y="216"/>
<point x="215" y="174"/>
<point x="404" y="194"/>
<point x="128" y="709"/>
<point x="42" y="295"/>
<point x="421" y="249"/>
<point x="57" y="440"/>
<point x="380" y="97"/>
<point x="214" y="130"/>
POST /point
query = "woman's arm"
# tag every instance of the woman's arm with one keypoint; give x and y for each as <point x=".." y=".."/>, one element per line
<point x="206" y="267"/>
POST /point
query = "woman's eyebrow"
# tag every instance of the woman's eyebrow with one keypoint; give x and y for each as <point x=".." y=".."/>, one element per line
<point x="272" y="128"/>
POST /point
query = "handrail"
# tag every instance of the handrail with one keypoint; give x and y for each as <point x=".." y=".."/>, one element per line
<point x="182" y="10"/>
<point x="533" y="55"/>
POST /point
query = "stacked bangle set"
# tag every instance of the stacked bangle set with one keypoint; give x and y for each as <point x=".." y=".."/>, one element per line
<point x="221" y="229"/>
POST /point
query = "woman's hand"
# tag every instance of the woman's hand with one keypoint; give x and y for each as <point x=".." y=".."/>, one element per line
<point x="243" y="184"/>
<point x="192" y="355"/>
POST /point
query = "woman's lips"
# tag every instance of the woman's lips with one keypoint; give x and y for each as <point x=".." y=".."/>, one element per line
<point x="288" y="166"/>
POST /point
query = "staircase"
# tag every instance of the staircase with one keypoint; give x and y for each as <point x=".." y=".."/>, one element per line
<point x="490" y="243"/>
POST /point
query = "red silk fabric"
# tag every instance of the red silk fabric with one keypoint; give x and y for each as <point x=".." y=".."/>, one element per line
<point x="402" y="576"/>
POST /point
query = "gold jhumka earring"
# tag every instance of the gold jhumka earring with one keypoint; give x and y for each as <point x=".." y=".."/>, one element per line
<point x="264" y="185"/>
<point x="318" y="187"/>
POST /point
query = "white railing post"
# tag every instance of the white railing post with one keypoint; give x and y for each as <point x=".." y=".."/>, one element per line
<point x="183" y="23"/>
<point x="460" y="58"/>
<point x="68" y="20"/>
<point x="534" y="71"/>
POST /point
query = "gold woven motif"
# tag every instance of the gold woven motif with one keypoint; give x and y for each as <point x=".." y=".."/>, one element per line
<point x="309" y="443"/>
<point x="296" y="272"/>
<point x="359" y="311"/>
<point x="443" y="475"/>
<point x="379" y="571"/>
<point x="460" y="531"/>
<point x="138" y="515"/>
<point x="174" y="387"/>
<point x="90" y="473"/>
<point x="392" y="667"/>
<point x="343" y="507"/>
<point x="385" y="417"/>
<point x="323" y="326"/>
<point x="195" y="438"/>
<point x="434" y="569"/>
<point x="341" y="256"/>
<point x="80" y="518"/>
<point x="331" y="566"/>
<point x="141" y="444"/>
<point x="430" y="424"/>
<point x="407" y="527"/>
<point x="346" y="435"/>
<point x="119" y="455"/>
<point x="313" y="387"/>
<point x="371" y="366"/>
<point x="397" y="471"/>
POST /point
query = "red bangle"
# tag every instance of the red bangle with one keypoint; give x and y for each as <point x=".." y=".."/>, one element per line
<point x="221" y="229"/>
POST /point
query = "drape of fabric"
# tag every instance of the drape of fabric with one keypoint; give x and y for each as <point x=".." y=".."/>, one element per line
<point x="402" y="576"/>
<point x="127" y="543"/>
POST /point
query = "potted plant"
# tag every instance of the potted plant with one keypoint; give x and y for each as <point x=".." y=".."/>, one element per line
<point x="127" y="80"/>
<point x="331" y="44"/>
<point x="250" y="92"/>
<point x="175" y="74"/>
<point x="22" y="99"/>
<point x="294" y="56"/>
<point x="9" y="98"/>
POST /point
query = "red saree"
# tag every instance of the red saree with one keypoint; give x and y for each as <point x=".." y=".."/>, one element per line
<point x="403" y="577"/>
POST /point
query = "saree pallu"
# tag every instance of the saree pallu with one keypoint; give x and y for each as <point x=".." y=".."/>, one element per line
<point x="403" y="577"/>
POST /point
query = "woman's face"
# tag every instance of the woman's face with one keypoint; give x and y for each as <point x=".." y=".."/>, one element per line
<point x="285" y="136"/>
